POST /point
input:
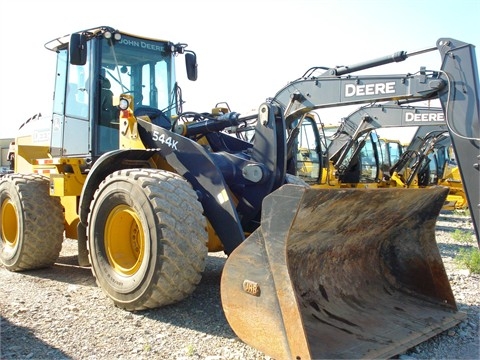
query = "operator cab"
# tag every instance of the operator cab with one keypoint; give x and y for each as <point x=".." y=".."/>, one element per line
<point x="308" y="160"/>
<point x="94" y="68"/>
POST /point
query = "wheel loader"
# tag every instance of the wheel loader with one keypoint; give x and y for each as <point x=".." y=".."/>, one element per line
<point x="148" y="190"/>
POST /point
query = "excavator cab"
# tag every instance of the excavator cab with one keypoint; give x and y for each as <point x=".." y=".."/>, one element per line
<point x="391" y="150"/>
<point x="307" y="150"/>
<point x="319" y="163"/>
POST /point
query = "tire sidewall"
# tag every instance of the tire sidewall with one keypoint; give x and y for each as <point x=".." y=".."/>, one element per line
<point x="10" y="255"/>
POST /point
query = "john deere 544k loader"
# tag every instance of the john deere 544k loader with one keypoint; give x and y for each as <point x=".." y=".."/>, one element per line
<point x="149" y="190"/>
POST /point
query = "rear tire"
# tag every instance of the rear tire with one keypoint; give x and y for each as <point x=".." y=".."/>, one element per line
<point x="31" y="222"/>
<point x="147" y="238"/>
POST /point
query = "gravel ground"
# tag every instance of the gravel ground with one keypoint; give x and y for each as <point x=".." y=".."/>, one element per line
<point x="59" y="313"/>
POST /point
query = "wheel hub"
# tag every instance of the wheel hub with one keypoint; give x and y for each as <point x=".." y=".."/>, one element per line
<point x="9" y="223"/>
<point x="124" y="240"/>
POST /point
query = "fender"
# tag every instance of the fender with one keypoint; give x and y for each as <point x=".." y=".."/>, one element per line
<point x="219" y="209"/>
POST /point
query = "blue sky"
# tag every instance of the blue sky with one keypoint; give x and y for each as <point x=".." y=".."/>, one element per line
<point x="247" y="50"/>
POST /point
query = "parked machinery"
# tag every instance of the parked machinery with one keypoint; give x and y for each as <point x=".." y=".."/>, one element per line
<point x="148" y="190"/>
<point x="356" y="156"/>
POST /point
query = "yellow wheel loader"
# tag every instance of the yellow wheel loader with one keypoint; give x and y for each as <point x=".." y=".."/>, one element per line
<point x="148" y="190"/>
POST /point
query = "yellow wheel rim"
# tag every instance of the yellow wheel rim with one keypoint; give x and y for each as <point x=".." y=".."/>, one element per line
<point x="9" y="223"/>
<point x="124" y="240"/>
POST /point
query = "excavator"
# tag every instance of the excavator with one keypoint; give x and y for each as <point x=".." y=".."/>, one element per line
<point x="354" y="153"/>
<point x="441" y="168"/>
<point x="345" y="144"/>
<point x="148" y="190"/>
<point x="356" y="156"/>
<point x="429" y="161"/>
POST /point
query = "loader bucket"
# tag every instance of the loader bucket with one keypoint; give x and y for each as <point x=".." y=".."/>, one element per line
<point x="340" y="273"/>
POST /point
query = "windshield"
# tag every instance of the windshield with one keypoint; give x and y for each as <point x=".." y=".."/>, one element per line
<point x="142" y="68"/>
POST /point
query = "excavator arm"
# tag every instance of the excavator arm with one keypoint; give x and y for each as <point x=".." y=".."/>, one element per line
<point x="460" y="102"/>
<point x="416" y="156"/>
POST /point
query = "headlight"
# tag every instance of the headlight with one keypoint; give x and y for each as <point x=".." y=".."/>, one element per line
<point x="123" y="104"/>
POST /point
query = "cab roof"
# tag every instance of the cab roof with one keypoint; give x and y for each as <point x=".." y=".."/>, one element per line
<point x="62" y="41"/>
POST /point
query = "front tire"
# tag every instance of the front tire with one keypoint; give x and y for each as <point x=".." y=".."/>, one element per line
<point x="147" y="238"/>
<point x="31" y="222"/>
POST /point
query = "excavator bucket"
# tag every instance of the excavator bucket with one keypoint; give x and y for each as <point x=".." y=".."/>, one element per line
<point x="340" y="273"/>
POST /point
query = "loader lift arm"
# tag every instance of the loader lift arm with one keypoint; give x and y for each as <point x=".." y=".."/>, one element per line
<point x="456" y="85"/>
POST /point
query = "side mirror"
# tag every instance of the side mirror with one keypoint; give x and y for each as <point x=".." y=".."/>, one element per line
<point x="78" y="49"/>
<point x="191" y="63"/>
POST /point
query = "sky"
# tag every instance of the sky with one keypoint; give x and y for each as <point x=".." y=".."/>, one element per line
<point x="247" y="49"/>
